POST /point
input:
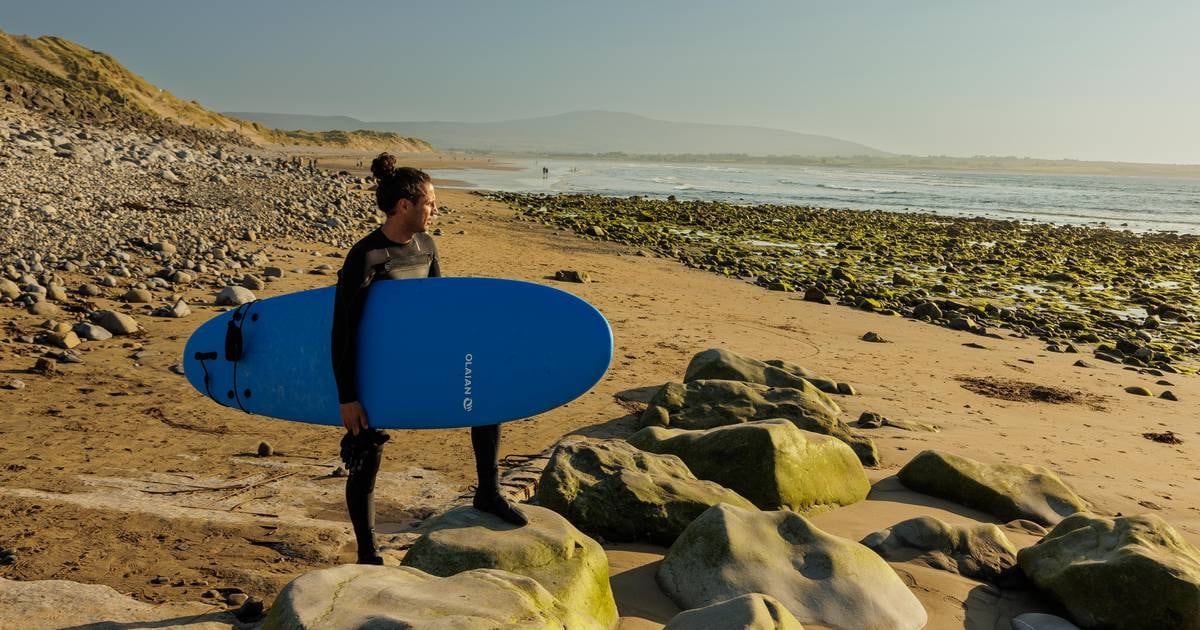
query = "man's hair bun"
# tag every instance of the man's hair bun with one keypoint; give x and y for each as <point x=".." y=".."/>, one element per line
<point x="383" y="166"/>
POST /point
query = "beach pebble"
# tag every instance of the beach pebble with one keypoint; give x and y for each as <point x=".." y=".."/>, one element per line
<point x="45" y="365"/>
<point x="115" y="322"/>
<point x="265" y="449"/>
<point x="234" y="296"/>
<point x="251" y="610"/>
<point x="566" y="275"/>
<point x="1168" y="395"/>
<point x="236" y="599"/>
<point x="323" y="269"/>
<point x="873" y="338"/>
<point x="162" y="579"/>
<point x="43" y="309"/>
<point x="254" y="283"/>
<point x="138" y="296"/>
<point x="177" y="310"/>
<point x="91" y="332"/>
<point x="15" y="384"/>
<point x="1138" y="390"/>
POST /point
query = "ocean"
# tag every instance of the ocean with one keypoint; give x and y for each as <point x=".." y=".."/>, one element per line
<point x="1135" y="203"/>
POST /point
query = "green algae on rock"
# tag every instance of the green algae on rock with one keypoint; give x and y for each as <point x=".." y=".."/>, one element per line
<point x="1005" y="491"/>
<point x="1128" y="572"/>
<point x="571" y="566"/>
<point x="612" y="489"/>
<point x="368" y="596"/>
<point x="770" y="462"/>
<point x="705" y="404"/>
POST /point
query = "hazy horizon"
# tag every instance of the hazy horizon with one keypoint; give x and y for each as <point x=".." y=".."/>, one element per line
<point x="1082" y="80"/>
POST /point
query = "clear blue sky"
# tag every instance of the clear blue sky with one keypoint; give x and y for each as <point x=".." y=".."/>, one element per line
<point x="1086" y="79"/>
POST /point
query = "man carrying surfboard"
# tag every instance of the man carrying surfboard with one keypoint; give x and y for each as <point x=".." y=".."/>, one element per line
<point x="399" y="249"/>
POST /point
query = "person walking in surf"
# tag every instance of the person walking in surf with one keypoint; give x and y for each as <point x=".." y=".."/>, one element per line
<point x="399" y="249"/>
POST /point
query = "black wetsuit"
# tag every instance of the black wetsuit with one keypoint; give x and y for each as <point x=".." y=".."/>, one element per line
<point x="376" y="257"/>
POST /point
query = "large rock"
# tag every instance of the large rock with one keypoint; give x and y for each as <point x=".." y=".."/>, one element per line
<point x="705" y="404"/>
<point x="981" y="552"/>
<point x="369" y="596"/>
<point x="718" y="363"/>
<point x="820" y="578"/>
<point x="1128" y="572"/>
<point x="53" y="604"/>
<point x="770" y="462"/>
<point x="747" y="612"/>
<point x="1005" y="491"/>
<point x="571" y="566"/>
<point x="612" y="489"/>
<point x="116" y="323"/>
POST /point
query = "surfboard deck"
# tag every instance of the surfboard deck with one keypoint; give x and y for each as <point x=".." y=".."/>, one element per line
<point x="432" y="353"/>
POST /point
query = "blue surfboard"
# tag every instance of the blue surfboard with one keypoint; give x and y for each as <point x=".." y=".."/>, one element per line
<point x="432" y="353"/>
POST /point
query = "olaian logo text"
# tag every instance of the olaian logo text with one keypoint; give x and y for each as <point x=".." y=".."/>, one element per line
<point x="467" y="377"/>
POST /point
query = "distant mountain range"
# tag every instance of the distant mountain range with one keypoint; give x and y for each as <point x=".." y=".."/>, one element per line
<point x="587" y="132"/>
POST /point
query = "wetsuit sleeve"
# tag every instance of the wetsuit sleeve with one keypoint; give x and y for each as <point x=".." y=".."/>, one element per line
<point x="435" y="267"/>
<point x="347" y="310"/>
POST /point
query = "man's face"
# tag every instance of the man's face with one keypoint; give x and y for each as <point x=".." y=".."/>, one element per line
<point x="422" y="211"/>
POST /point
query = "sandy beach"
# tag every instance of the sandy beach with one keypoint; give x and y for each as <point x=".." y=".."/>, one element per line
<point x="116" y="472"/>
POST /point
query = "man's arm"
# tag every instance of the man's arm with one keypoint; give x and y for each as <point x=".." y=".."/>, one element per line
<point x="347" y="309"/>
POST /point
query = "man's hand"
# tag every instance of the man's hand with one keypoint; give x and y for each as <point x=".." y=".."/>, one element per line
<point x="354" y="417"/>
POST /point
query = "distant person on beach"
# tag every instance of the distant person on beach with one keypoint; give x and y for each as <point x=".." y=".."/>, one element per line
<point x="399" y="249"/>
<point x="545" y="172"/>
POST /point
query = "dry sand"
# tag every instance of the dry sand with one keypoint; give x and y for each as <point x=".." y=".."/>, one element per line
<point x="111" y="472"/>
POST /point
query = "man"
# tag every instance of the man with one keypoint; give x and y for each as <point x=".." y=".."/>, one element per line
<point x="399" y="249"/>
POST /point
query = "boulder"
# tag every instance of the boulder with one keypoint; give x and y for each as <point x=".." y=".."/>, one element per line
<point x="770" y="462"/>
<point x="612" y="489"/>
<point x="115" y="322"/>
<point x="1128" y="572"/>
<point x="704" y="404"/>
<point x="1005" y="491"/>
<point x="369" y="596"/>
<point x="571" y="566"/>
<point x="721" y="364"/>
<point x="746" y="612"/>
<point x="822" y="579"/>
<point x="981" y="552"/>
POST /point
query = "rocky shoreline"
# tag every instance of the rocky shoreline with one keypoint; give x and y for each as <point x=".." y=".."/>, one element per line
<point x="107" y="233"/>
<point x="1132" y="297"/>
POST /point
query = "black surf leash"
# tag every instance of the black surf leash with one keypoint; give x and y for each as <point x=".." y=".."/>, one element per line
<point x="234" y="349"/>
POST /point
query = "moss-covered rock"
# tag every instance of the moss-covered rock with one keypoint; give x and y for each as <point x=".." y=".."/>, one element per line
<point x="705" y="404"/>
<point x="1003" y="490"/>
<point x="367" y="596"/>
<point x="721" y="364"/>
<point x="770" y="462"/>
<point x="613" y="489"/>
<point x="981" y="551"/>
<point x="571" y="566"/>
<point x="746" y="612"/>
<point x="1129" y="572"/>
<point x="820" y="578"/>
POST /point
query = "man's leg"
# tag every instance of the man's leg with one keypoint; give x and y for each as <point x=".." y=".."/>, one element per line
<point x="486" y="442"/>
<point x="363" y="454"/>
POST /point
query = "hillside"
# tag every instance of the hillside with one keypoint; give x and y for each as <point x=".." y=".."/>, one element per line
<point x="63" y="78"/>
<point x="591" y="132"/>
